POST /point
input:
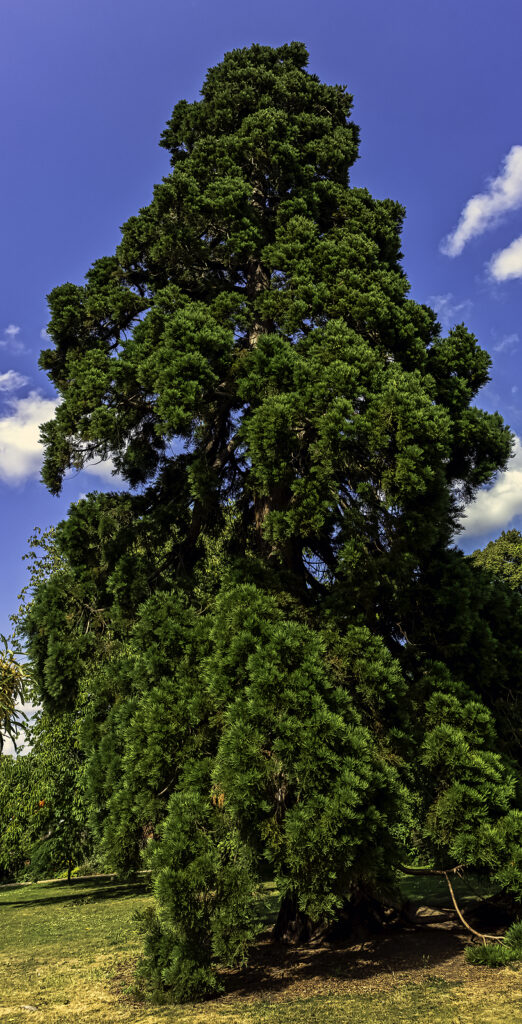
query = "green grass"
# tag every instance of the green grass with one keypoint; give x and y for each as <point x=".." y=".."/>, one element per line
<point x="67" y="950"/>
<point x="433" y="891"/>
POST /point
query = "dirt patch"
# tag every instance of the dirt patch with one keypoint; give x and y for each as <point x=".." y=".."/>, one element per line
<point x="429" y="950"/>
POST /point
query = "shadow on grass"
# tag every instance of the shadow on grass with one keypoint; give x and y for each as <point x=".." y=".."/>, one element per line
<point x="79" y="892"/>
<point x="274" y="967"/>
<point x="430" y="950"/>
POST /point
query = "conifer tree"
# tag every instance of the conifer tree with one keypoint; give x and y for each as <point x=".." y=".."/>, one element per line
<point x="251" y="629"/>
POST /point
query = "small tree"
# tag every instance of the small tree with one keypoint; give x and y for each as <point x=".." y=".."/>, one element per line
<point x="15" y="835"/>
<point x="44" y="810"/>
<point x="43" y="829"/>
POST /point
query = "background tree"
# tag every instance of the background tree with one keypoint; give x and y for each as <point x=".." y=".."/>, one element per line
<point x="251" y="630"/>
<point x="503" y="558"/>
<point x="15" y="839"/>
<point x="44" y="829"/>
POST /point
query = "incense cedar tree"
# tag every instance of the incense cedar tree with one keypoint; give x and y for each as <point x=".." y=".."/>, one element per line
<point x="257" y="634"/>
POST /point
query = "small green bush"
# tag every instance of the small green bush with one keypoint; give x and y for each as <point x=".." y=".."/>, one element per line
<point x="167" y="972"/>
<point x="513" y="936"/>
<point x="498" y="954"/>
<point x="491" y="955"/>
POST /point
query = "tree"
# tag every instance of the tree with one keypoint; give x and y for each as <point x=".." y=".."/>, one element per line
<point x="43" y="828"/>
<point x="15" y="841"/>
<point x="250" y="630"/>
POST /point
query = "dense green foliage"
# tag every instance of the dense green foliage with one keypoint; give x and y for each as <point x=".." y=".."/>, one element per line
<point x="503" y="558"/>
<point x="278" y="663"/>
<point x="43" y="809"/>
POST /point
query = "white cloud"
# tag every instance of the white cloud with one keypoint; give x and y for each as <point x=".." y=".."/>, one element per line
<point x="21" y="453"/>
<point x="448" y="310"/>
<point x="483" y="211"/>
<point x="507" y="263"/>
<point x="507" y="344"/>
<point x="494" y="508"/>
<point x="20" y="450"/>
<point x="12" y="330"/>
<point x="11" y="381"/>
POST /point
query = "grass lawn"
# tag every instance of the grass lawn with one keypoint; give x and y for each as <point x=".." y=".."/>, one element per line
<point x="66" y="955"/>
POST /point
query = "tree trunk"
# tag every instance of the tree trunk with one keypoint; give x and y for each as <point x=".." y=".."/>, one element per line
<point x="292" y="925"/>
<point x="360" y="917"/>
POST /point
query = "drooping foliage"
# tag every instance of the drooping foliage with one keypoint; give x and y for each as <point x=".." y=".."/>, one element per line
<point x="257" y="635"/>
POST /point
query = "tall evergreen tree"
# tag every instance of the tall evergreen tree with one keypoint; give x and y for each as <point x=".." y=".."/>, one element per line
<point x="248" y="629"/>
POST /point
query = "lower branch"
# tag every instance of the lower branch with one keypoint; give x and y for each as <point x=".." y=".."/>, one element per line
<point x="457" y="870"/>
<point x="491" y="938"/>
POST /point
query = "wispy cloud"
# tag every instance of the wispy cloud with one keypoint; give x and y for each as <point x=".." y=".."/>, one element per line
<point x="44" y="335"/>
<point x="507" y="344"/>
<point x="104" y="470"/>
<point x="11" y="381"/>
<point x="507" y="263"/>
<point x="10" y="338"/>
<point x="482" y="211"/>
<point x="495" y="508"/>
<point x="448" y="310"/>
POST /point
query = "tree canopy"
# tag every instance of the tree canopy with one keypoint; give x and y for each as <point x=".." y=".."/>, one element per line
<point x="258" y="635"/>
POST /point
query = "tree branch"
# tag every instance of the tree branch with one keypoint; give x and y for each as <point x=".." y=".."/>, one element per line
<point x="446" y="873"/>
<point x="492" y="938"/>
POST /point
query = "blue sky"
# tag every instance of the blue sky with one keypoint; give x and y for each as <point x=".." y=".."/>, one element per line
<point x="86" y="87"/>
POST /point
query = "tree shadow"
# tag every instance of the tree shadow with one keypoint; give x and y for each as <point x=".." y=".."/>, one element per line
<point x="273" y="967"/>
<point x="407" y="954"/>
<point x="87" y="891"/>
